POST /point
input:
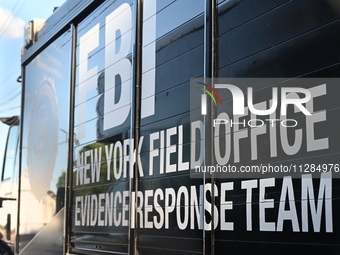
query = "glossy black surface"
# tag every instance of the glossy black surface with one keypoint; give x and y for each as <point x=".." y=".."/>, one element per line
<point x="255" y="39"/>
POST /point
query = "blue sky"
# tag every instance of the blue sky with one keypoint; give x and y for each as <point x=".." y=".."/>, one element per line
<point x="14" y="15"/>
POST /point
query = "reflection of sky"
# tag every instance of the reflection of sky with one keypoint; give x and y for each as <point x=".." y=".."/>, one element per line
<point x="10" y="48"/>
<point x="53" y="62"/>
<point x="47" y="63"/>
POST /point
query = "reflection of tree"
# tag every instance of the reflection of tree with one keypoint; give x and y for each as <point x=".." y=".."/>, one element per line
<point x="103" y="184"/>
<point x="60" y="191"/>
<point x="61" y="180"/>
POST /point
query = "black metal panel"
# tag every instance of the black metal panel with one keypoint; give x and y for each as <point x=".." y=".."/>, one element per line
<point x="179" y="57"/>
<point x="235" y="13"/>
<point x="302" y="55"/>
<point x="273" y="28"/>
<point x="256" y="39"/>
<point x="241" y="241"/>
